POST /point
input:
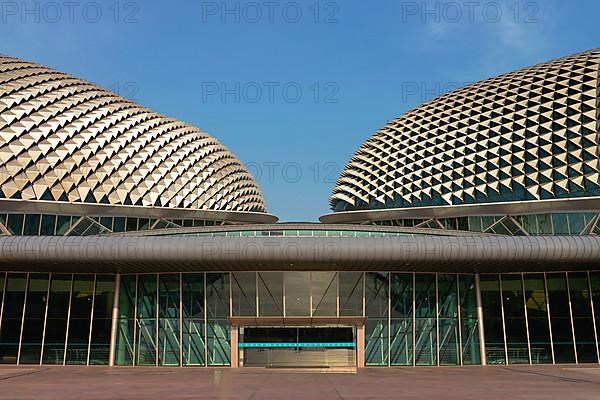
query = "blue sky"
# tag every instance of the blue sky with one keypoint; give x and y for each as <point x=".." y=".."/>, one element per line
<point x="292" y="88"/>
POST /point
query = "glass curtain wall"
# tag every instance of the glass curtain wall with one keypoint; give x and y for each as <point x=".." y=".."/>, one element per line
<point x="174" y="319"/>
<point x="541" y="318"/>
<point x="411" y="318"/>
<point x="420" y="319"/>
<point x="55" y="318"/>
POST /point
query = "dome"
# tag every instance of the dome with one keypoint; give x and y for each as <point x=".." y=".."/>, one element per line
<point x="66" y="140"/>
<point x="528" y="135"/>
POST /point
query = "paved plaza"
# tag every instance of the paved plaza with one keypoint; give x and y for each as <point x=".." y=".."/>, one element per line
<point x="90" y="383"/>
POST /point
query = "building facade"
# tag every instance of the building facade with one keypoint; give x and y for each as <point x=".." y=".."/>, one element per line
<point x="464" y="232"/>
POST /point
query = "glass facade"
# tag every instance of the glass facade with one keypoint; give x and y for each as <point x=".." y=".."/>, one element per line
<point x="580" y="223"/>
<point x="55" y="318"/>
<point x="68" y="225"/>
<point x="541" y="318"/>
<point x="183" y="319"/>
<point x="420" y="319"/>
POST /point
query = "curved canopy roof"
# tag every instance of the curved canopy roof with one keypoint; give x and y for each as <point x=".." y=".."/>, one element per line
<point x="524" y="136"/>
<point x="66" y="140"/>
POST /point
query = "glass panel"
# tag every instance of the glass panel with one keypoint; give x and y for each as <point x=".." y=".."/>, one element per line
<point x="376" y="294"/>
<point x="243" y="289"/>
<point x="492" y="319"/>
<point x="193" y="320"/>
<point x="169" y="296"/>
<point x="468" y="318"/>
<point x="217" y="295"/>
<point x="323" y="288"/>
<point x="146" y="323"/>
<point x="33" y="325"/>
<point x="78" y="334"/>
<point x="377" y="325"/>
<point x="219" y="348"/>
<point x="193" y="342"/>
<point x="119" y="224"/>
<point x="297" y="293"/>
<point x="537" y="316"/>
<point x="514" y="314"/>
<point x="63" y="224"/>
<point x="145" y="342"/>
<point x="32" y="225"/>
<point x="168" y="331"/>
<point x="193" y="296"/>
<point x="425" y="323"/>
<point x="576" y="225"/>
<point x="125" y="338"/>
<point x="583" y="323"/>
<point x="448" y="319"/>
<point x="15" y="224"/>
<point x="560" y="318"/>
<point x="14" y="297"/>
<point x="376" y="341"/>
<point x="56" y="322"/>
<point x="270" y="293"/>
<point x="351" y="293"/>
<point x="561" y="227"/>
<point x="168" y="342"/>
<point x="401" y="351"/>
<point x="131" y="224"/>
<point x="402" y="295"/>
<point x="48" y="222"/>
<point x="595" y="283"/>
<point x="103" y="305"/>
<point x="217" y="303"/>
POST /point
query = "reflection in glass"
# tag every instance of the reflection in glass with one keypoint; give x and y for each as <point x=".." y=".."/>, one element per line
<point x="78" y="332"/>
<point x="425" y="321"/>
<point x="351" y="293"/>
<point x="14" y="296"/>
<point x="595" y="286"/>
<point x="468" y="319"/>
<point x="103" y="304"/>
<point x="193" y="329"/>
<point x="270" y="294"/>
<point x="146" y="320"/>
<point x="560" y="318"/>
<point x="401" y="342"/>
<point x="125" y="337"/>
<point x="243" y="290"/>
<point x="168" y="328"/>
<point x="33" y="325"/>
<point x="323" y="288"/>
<point x="297" y="293"/>
<point x="537" y="317"/>
<point x="448" y="319"/>
<point x="583" y="322"/>
<point x="401" y="351"/>
<point x="377" y="325"/>
<point x="217" y="303"/>
<point x="376" y="341"/>
<point x="56" y="322"/>
<point x="219" y="347"/>
<point x="492" y="319"/>
<point x="514" y="319"/>
<point x="217" y="295"/>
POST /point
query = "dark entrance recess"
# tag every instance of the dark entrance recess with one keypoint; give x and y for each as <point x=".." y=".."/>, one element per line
<point x="297" y="347"/>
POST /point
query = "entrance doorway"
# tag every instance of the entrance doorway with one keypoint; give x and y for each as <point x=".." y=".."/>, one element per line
<point x="298" y="346"/>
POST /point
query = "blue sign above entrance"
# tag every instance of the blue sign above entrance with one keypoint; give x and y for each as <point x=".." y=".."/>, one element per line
<point x="270" y="345"/>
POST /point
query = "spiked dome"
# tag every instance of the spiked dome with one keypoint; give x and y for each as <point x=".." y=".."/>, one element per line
<point x="67" y="140"/>
<point x="528" y="135"/>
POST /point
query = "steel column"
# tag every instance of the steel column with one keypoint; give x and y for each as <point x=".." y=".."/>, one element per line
<point x="114" y="322"/>
<point x="480" y="320"/>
